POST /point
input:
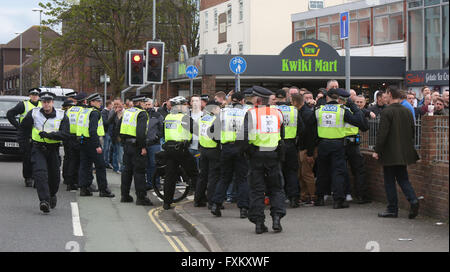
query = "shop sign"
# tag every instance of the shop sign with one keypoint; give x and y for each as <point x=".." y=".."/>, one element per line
<point x="427" y="77"/>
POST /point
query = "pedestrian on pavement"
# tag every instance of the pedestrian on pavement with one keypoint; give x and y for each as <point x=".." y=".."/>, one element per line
<point x="330" y="120"/>
<point x="133" y="134"/>
<point x="263" y="135"/>
<point x="232" y="160"/>
<point x="47" y="127"/>
<point x="293" y="133"/>
<point x="154" y="135"/>
<point x="21" y="109"/>
<point x="395" y="151"/>
<point x="89" y="130"/>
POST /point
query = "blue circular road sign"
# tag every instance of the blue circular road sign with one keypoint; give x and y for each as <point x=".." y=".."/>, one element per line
<point x="238" y="65"/>
<point x="191" y="72"/>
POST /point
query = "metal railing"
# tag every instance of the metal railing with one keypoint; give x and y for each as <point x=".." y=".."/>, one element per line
<point x="441" y="130"/>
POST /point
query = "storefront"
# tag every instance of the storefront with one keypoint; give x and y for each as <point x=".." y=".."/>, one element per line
<point x="305" y="64"/>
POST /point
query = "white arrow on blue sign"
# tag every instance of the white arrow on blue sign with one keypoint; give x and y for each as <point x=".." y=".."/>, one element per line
<point x="191" y="71"/>
<point x="238" y="65"/>
<point x="345" y="18"/>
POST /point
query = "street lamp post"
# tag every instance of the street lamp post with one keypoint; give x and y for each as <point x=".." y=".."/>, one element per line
<point x="40" y="45"/>
<point x="21" y="54"/>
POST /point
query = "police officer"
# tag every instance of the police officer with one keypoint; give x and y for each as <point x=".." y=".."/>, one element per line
<point x="89" y="130"/>
<point x="178" y="129"/>
<point x="232" y="159"/>
<point x="209" y="141"/>
<point x="21" y="109"/>
<point x="353" y="155"/>
<point x="264" y="132"/>
<point x="293" y="129"/>
<point x="47" y="128"/>
<point x="133" y="133"/>
<point x="71" y="97"/>
<point x="66" y="144"/>
<point x="330" y="120"/>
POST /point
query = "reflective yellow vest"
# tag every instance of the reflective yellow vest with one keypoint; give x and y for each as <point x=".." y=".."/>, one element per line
<point x="330" y="121"/>
<point x="28" y="106"/>
<point x="43" y="124"/>
<point x="174" y="130"/>
<point x="351" y="130"/>
<point x="83" y="123"/>
<point x="129" y="121"/>
<point x="232" y="120"/>
<point x="290" y="118"/>
<point x="205" y="125"/>
<point x="73" y="113"/>
<point x="266" y="127"/>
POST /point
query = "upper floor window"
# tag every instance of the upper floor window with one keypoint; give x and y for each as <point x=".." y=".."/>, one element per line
<point x="241" y="10"/>
<point x="229" y="13"/>
<point x="216" y="19"/>
<point x="315" y="4"/>
<point x="305" y="29"/>
<point x="360" y="27"/>
<point x="329" y="30"/>
<point x="206" y="21"/>
<point x="388" y="23"/>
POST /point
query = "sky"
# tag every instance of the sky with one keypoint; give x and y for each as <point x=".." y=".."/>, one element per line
<point x="17" y="16"/>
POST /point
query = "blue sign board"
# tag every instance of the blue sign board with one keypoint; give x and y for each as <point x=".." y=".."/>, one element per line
<point x="345" y="18"/>
<point x="238" y="65"/>
<point x="191" y="72"/>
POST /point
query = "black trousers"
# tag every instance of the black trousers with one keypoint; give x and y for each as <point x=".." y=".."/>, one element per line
<point x="134" y="165"/>
<point x="65" y="168"/>
<point x="265" y="178"/>
<point x="233" y="162"/>
<point x="397" y="173"/>
<point x="89" y="156"/>
<point x="356" y="161"/>
<point x="290" y="170"/>
<point x="176" y="158"/>
<point x="331" y="168"/>
<point x="46" y="164"/>
<point x="27" y="170"/>
<point x="73" y="162"/>
<point x="209" y="175"/>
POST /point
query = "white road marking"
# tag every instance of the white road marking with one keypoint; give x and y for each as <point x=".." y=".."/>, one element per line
<point x="77" y="231"/>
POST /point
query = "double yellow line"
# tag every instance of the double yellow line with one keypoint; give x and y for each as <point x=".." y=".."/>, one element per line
<point x="174" y="241"/>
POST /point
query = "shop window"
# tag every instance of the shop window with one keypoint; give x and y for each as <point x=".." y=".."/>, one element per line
<point x="432" y="38"/>
<point x="415" y="39"/>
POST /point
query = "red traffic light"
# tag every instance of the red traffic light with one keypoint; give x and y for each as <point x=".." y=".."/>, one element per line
<point x="137" y="58"/>
<point x="154" y="51"/>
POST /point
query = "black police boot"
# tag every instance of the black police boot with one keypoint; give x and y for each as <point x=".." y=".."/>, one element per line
<point x="52" y="202"/>
<point x="126" y="199"/>
<point x="28" y="182"/>
<point x="199" y="204"/>
<point x="388" y="214"/>
<point x="414" y="210"/>
<point x="293" y="202"/>
<point x="340" y="204"/>
<point x="260" y="227"/>
<point x="144" y="202"/>
<point x="276" y="223"/>
<point x="215" y="209"/>
<point x="106" y="193"/>
<point x="166" y="206"/>
<point x="244" y="213"/>
<point x="84" y="191"/>
<point x="320" y="201"/>
<point x="72" y="187"/>
<point x="93" y="188"/>
<point x="44" y="206"/>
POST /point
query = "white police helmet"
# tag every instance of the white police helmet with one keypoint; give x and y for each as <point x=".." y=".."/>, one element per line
<point x="179" y="100"/>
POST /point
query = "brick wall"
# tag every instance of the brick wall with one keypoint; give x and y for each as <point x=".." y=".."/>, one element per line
<point x="428" y="177"/>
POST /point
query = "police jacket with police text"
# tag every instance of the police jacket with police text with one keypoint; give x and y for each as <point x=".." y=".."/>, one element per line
<point x="141" y="129"/>
<point x="188" y="124"/>
<point x="17" y="110"/>
<point x="300" y="123"/>
<point x="26" y="126"/>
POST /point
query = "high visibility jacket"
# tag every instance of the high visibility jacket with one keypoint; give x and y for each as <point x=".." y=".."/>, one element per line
<point x="28" y="106"/>
<point x="351" y="130"/>
<point x="290" y="118"/>
<point x="266" y="128"/>
<point x="205" y="125"/>
<point x="330" y="121"/>
<point x="174" y="129"/>
<point x="83" y="123"/>
<point x="73" y="114"/>
<point x="41" y="123"/>
<point x="129" y="121"/>
<point x="232" y="120"/>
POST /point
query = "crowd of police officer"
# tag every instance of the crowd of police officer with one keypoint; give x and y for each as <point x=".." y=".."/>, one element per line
<point x="249" y="142"/>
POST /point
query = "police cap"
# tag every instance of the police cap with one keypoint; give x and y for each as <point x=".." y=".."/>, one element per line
<point x="343" y="93"/>
<point x="35" y="91"/>
<point x="236" y="97"/>
<point x="139" y="98"/>
<point x="280" y="93"/>
<point x="68" y="103"/>
<point x="333" y="92"/>
<point x="47" y="96"/>
<point x="71" y="94"/>
<point x="94" y="97"/>
<point x="204" y="97"/>
<point x="248" y="92"/>
<point x="261" y="92"/>
<point x="80" y="96"/>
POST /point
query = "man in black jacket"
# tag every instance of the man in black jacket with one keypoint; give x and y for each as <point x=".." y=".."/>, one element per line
<point x="154" y="135"/>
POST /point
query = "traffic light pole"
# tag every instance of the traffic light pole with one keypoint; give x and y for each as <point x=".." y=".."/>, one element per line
<point x="122" y="93"/>
<point x="154" y="37"/>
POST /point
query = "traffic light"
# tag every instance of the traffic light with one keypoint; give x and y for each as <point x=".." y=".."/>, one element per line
<point x="136" y="69"/>
<point x="155" y="62"/>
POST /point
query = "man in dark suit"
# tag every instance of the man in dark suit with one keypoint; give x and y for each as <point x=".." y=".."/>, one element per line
<point x="395" y="150"/>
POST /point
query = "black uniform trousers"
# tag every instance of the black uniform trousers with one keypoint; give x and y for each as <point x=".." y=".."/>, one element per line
<point x="232" y="161"/>
<point x="73" y="164"/>
<point x="134" y="165"/>
<point x="265" y="178"/>
<point x="65" y="168"/>
<point x="209" y="175"/>
<point x="89" y="156"/>
<point x="290" y="170"/>
<point x="331" y="168"/>
<point x="46" y="164"/>
<point x="356" y="161"/>
<point x="27" y="169"/>
<point x="176" y="158"/>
